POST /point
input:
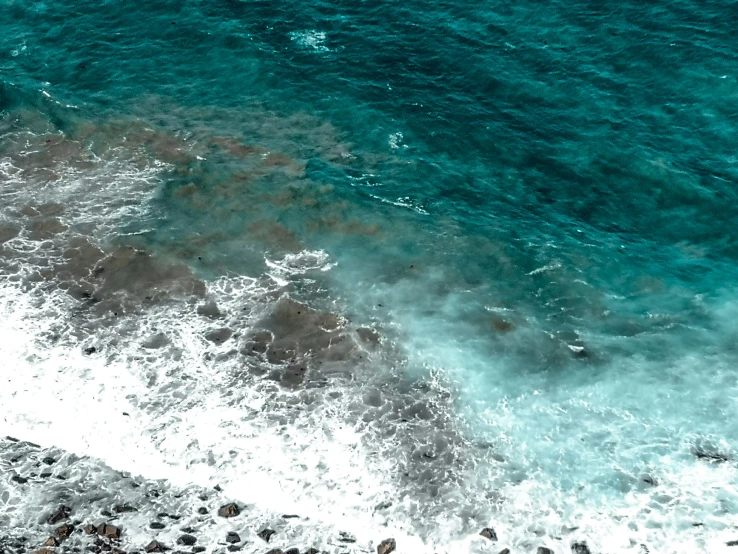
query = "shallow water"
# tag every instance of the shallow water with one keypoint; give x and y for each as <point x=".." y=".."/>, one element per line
<point x="425" y="268"/>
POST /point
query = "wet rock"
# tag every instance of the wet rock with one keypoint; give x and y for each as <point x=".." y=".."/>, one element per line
<point x="196" y="549"/>
<point x="155" y="546"/>
<point x="233" y="538"/>
<point x="290" y="516"/>
<point x="48" y="460"/>
<point x="90" y="529"/>
<point x="219" y="336"/>
<point x="209" y="310"/>
<point x="229" y="510"/>
<point x="156" y="525"/>
<point x="505" y="551"/>
<point x="233" y="548"/>
<point x="292" y="551"/>
<point x="124" y="509"/>
<point x="544" y="550"/>
<point x="266" y="534"/>
<point x="108" y="531"/>
<point x="312" y="551"/>
<point x="188" y="530"/>
<point x="275" y="551"/>
<point x="90" y="350"/>
<point x="60" y="514"/>
<point x="51" y="541"/>
<point x="732" y="543"/>
<point x="187" y="540"/>
<point x="203" y="511"/>
<point x="18" y="479"/>
<point x="386" y="546"/>
<point x="64" y="531"/>
<point x="580" y="548"/>
<point x="43" y="551"/>
<point x="489" y="533"/>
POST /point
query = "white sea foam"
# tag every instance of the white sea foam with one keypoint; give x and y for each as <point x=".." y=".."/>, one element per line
<point x="312" y="39"/>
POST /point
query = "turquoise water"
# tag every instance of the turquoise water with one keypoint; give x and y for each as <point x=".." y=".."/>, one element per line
<point x="532" y="203"/>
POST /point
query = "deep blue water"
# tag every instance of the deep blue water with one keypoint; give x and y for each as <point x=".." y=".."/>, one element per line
<point x="534" y="200"/>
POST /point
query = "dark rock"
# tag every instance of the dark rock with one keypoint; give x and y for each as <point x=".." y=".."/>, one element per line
<point x="710" y="455"/>
<point x="188" y="530"/>
<point x="64" y="531"/>
<point x="732" y="543"/>
<point x="106" y="513"/>
<point x="544" y="550"/>
<point x="124" y="509"/>
<point x="312" y="551"/>
<point x="217" y="488"/>
<point x="275" y="551"/>
<point x="292" y="551"/>
<point x="108" y="531"/>
<point x="346" y="537"/>
<point x="90" y="350"/>
<point x="90" y="529"/>
<point x="233" y="537"/>
<point x="187" y="540"/>
<point x="157" y="525"/>
<point x="580" y="548"/>
<point x="18" y="479"/>
<point x="202" y="511"/>
<point x="234" y="548"/>
<point x="60" y="514"/>
<point x="45" y="474"/>
<point x="196" y="549"/>
<point x="505" y="551"/>
<point x="386" y="546"/>
<point x="155" y="546"/>
<point x="51" y="541"/>
<point x="649" y="480"/>
<point x="290" y="516"/>
<point x="48" y="460"/>
<point x="229" y="510"/>
<point x="489" y="533"/>
<point x="266" y="534"/>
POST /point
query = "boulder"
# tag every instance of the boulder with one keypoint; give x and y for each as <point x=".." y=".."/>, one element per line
<point x="64" y="531"/>
<point x="266" y="534"/>
<point x="488" y="533"/>
<point x="155" y="546"/>
<point x="229" y="510"/>
<point x="108" y="531"/>
<point x="60" y="514"/>
<point x="386" y="546"/>
<point x="187" y="540"/>
<point x="233" y="538"/>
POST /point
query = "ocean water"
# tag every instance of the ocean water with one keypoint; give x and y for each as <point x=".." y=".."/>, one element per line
<point x="404" y="269"/>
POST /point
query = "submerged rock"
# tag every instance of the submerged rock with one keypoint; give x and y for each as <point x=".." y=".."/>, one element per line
<point x="386" y="546"/>
<point x="266" y="534"/>
<point x="489" y="533"/>
<point x="229" y="510"/>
